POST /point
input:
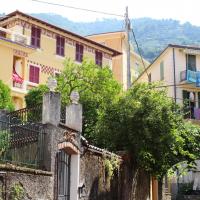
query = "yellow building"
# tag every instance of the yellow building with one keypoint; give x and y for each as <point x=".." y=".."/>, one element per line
<point x="118" y="41"/>
<point x="31" y="50"/>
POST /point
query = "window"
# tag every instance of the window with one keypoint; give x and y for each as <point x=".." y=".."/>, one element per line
<point x="149" y="78"/>
<point x="79" y="52"/>
<point x="191" y="62"/>
<point x="34" y="74"/>
<point x="60" y="46"/>
<point x="63" y="175"/>
<point x="162" y="71"/>
<point x="35" y="37"/>
<point x="98" y="58"/>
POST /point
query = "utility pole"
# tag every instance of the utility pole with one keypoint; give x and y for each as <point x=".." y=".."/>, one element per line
<point x="127" y="28"/>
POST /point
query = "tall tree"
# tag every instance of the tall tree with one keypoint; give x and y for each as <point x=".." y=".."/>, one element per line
<point x="149" y="125"/>
<point x="96" y="86"/>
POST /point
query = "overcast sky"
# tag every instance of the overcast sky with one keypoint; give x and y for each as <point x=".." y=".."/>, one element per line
<point x="182" y="10"/>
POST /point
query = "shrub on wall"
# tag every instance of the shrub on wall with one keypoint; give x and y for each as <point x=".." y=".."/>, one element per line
<point x="17" y="192"/>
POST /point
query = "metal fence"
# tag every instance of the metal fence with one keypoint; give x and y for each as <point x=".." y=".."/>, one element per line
<point x="63" y="114"/>
<point x="26" y="115"/>
<point x="22" y="144"/>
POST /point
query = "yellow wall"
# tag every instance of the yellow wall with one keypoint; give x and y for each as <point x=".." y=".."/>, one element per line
<point x="117" y="41"/>
<point x="44" y="57"/>
<point x="6" y="64"/>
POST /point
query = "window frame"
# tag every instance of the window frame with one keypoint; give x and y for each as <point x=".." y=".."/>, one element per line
<point x="35" y="36"/>
<point x="60" y="46"/>
<point x="162" y="73"/>
<point x="98" y="58"/>
<point x="189" y="65"/>
<point x="32" y="78"/>
<point x="79" y="52"/>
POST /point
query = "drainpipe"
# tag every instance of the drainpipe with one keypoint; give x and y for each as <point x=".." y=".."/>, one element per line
<point x="174" y="68"/>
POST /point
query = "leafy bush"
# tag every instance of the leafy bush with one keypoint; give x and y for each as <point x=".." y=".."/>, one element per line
<point x="34" y="96"/>
<point x="17" y="192"/>
<point x="5" y="97"/>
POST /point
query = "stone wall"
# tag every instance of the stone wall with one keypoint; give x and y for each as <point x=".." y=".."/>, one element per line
<point x="98" y="185"/>
<point x="135" y="183"/>
<point x="126" y="184"/>
<point x="34" y="187"/>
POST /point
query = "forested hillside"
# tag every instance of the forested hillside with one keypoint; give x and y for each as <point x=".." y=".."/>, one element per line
<point x="152" y="35"/>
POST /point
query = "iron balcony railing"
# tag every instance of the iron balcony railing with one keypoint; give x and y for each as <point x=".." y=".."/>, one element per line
<point x="188" y="75"/>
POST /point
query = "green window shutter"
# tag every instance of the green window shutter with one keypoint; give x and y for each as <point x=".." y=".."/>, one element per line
<point x="162" y="71"/>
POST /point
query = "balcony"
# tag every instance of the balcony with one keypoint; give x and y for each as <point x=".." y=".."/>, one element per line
<point x="14" y="37"/>
<point x="190" y="77"/>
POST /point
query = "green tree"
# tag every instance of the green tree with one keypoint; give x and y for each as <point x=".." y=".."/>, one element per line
<point x="149" y="125"/>
<point x="34" y="96"/>
<point x="5" y="97"/>
<point x="96" y="86"/>
<point x="97" y="89"/>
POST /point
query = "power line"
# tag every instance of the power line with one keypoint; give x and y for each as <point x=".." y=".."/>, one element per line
<point x="139" y="52"/>
<point x="77" y="8"/>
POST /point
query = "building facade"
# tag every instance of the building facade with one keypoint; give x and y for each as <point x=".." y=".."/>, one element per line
<point x="177" y="67"/>
<point x="32" y="50"/>
<point x="118" y="41"/>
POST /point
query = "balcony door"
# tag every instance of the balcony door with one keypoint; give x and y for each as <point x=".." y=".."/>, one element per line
<point x="191" y="62"/>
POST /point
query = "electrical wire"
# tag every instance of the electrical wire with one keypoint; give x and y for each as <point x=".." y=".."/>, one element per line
<point x="77" y="8"/>
<point x="138" y="48"/>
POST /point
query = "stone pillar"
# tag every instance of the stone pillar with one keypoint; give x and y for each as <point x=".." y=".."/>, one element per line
<point x="51" y="108"/>
<point x="74" y="117"/>
<point x="74" y="121"/>
<point x="51" y="118"/>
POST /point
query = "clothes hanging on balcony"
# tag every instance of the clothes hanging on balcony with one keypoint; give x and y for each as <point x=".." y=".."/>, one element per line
<point x="17" y="71"/>
<point x="198" y="79"/>
<point x="197" y="113"/>
<point x="17" y="78"/>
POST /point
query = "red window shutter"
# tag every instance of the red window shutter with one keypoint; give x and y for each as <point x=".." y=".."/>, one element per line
<point x="35" y="36"/>
<point x="37" y="72"/>
<point x="79" y="52"/>
<point x="62" y="52"/>
<point x="34" y="74"/>
<point x="77" y="49"/>
<point x="57" y="45"/>
<point x="31" y="73"/>
<point x="98" y="58"/>
<point x="60" y="46"/>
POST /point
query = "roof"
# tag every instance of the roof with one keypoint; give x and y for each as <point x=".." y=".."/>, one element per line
<point x="115" y="53"/>
<point x="168" y="46"/>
